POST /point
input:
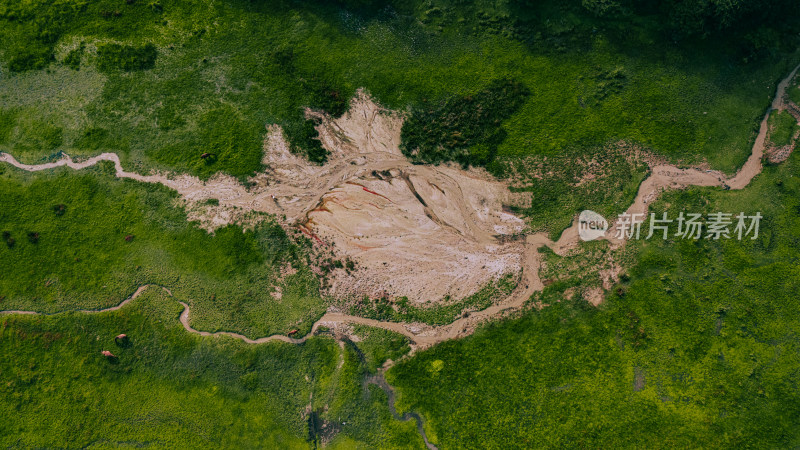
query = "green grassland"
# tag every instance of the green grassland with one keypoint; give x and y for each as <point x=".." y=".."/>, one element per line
<point x="782" y="128"/>
<point x="377" y="345"/>
<point x="212" y="87"/>
<point x="560" y="187"/>
<point x="221" y="72"/>
<point x="697" y="348"/>
<point x="169" y="388"/>
<point x="98" y="238"/>
<point x="794" y="90"/>
<point x="441" y="313"/>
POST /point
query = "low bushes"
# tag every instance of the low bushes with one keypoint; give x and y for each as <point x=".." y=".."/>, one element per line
<point x="465" y="129"/>
<point x="114" y="57"/>
<point x="782" y="127"/>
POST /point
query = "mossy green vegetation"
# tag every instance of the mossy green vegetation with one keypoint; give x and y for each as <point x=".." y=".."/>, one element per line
<point x="782" y="128"/>
<point x="593" y="80"/>
<point x="439" y="313"/>
<point x="169" y="388"/>
<point x="465" y="129"/>
<point x="304" y="139"/>
<point x="604" y="179"/>
<point x="698" y="347"/>
<point x="224" y="138"/>
<point x="99" y="238"/>
<point x="74" y="57"/>
<point x="794" y="90"/>
<point x="35" y="103"/>
<point x="376" y="345"/>
<point x="7" y="122"/>
<point x="126" y="58"/>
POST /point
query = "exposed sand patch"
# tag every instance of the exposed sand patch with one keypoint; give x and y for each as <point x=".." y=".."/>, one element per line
<point x="423" y="232"/>
<point x="462" y="213"/>
<point x="594" y="296"/>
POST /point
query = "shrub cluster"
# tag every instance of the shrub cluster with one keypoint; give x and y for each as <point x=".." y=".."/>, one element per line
<point x="114" y="57"/>
<point x="10" y="241"/>
<point x="40" y="25"/>
<point x="465" y="129"/>
<point x="782" y="127"/>
<point x="305" y="140"/>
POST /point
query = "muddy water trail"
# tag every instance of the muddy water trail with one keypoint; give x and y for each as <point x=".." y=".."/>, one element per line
<point x="662" y="177"/>
<point x="137" y="293"/>
<point x="380" y="381"/>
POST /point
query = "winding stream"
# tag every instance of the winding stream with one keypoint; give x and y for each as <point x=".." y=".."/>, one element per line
<point x="662" y="177"/>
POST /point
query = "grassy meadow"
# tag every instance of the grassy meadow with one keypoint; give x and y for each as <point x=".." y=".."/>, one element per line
<point x="169" y="388"/>
<point x="698" y="347"/>
<point x="782" y="128"/>
<point x="98" y="238"/>
<point x="213" y="88"/>
<point x="377" y="345"/>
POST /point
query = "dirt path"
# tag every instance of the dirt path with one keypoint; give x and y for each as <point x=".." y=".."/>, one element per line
<point x="459" y="328"/>
<point x="303" y="198"/>
<point x="137" y="293"/>
<point x="422" y="232"/>
<point x="668" y="176"/>
<point x="308" y="194"/>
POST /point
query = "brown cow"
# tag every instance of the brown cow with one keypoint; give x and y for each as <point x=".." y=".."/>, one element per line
<point x="108" y="354"/>
<point x="293" y="332"/>
<point x="205" y="155"/>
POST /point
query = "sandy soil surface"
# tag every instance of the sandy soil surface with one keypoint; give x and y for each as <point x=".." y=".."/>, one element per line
<point x="421" y="232"/>
<point x="410" y="225"/>
<point x="370" y="203"/>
